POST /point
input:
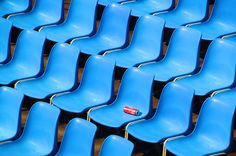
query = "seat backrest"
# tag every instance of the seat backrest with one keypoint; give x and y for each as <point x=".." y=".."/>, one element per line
<point x="83" y="13"/>
<point x="148" y="35"/>
<point x="94" y="78"/>
<point x="216" y="119"/>
<point x="62" y="67"/>
<point x="167" y="4"/>
<point x="184" y="48"/>
<point x="19" y="6"/>
<point x="197" y="8"/>
<point x="10" y="112"/>
<point x="5" y="39"/>
<point x="29" y="51"/>
<point x="23" y="3"/>
<point x="224" y="11"/>
<point x="52" y="9"/>
<point x="78" y="138"/>
<point x="41" y="127"/>
<point x="115" y="146"/>
<point x="114" y="24"/>
<point x="136" y="90"/>
<point x="220" y="61"/>
<point x="175" y="106"/>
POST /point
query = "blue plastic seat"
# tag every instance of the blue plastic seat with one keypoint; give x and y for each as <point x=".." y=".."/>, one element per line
<point x="5" y="40"/>
<point x="213" y="133"/>
<point x="10" y="113"/>
<point x="80" y="22"/>
<point x="27" y="60"/>
<point x="60" y="74"/>
<point x="115" y="146"/>
<point x="43" y="13"/>
<point x="40" y="133"/>
<point x="182" y="56"/>
<point x="221" y="22"/>
<point x="14" y="6"/>
<point x="112" y="33"/>
<point x="78" y="138"/>
<point x="173" y="116"/>
<point x="136" y="92"/>
<point x="218" y="69"/>
<point x="144" y="7"/>
<point x="143" y="48"/>
<point x="186" y="11"/>
<point x="97" y="83"/>
<point x="106" y="2"/>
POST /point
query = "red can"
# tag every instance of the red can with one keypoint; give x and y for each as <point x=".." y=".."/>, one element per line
<point x="132" y="111"/>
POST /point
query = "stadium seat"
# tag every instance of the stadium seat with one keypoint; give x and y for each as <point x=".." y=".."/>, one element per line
<point x="43" y="13"/>
<point x="78" y="138"/>
<point x="8" y="7"/>
<point x="143" y="7"/>
<point x="186" y="11"/>
<point x="5" y="40"/>
<point x="10" y="113"/>
<point x="221" y="22"/>
<point x="97" y="83"/>
<point x="27" y="60"/>
<point x="218" y="69"/>
<point x="173" y="116"/>
<point x="40" y="133"/>
<point x="213" y="133"/>
<point x="106" y="2"/>
<point x="135" y="92"/>
<point x="182" y="56"/>
<point x="115" y="145"/>
<point x="80" y="22"/>
<point x="59" y="76"/>
<point x="112" y="33"/>
<point x="143" y="48"/>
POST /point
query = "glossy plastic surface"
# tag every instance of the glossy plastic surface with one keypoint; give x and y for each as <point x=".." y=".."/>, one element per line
<point x="136" y="92"/>
<point x="5" y="40"/>
<point x="186" y="11"/>
<point x="218" y="69"/>
<point x="27" y="59"/>
<point x="112" y="32"/>
<point x="146" y="43"/>
<point x="144" y="7"/>
<point x="221" y="22"/>
<point x="78" y="138"/>
<point x="40" y="133"/>
<point x="214" y="129"/>
<point x="115" y="145"/>
<point x="106" y="2"/>
<point x="10" y="113"/>
<point x="43" y="13"/>
<point x="173" y="116"/>
<point x="80" y="22"/>
<point x="14" y="6"/>
<point x="96" y="87"/>
<point x="182" y="56"/>
<point x="60" y="74"/>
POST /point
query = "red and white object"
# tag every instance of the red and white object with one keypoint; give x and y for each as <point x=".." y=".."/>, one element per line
<point x="131" y="111"/>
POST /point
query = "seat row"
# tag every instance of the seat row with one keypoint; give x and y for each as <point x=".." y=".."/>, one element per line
<point x="180" y="63"/>
<point x="39" y="136"/>
<point x="171" y="123"/>
<point x="80" y="23"/>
